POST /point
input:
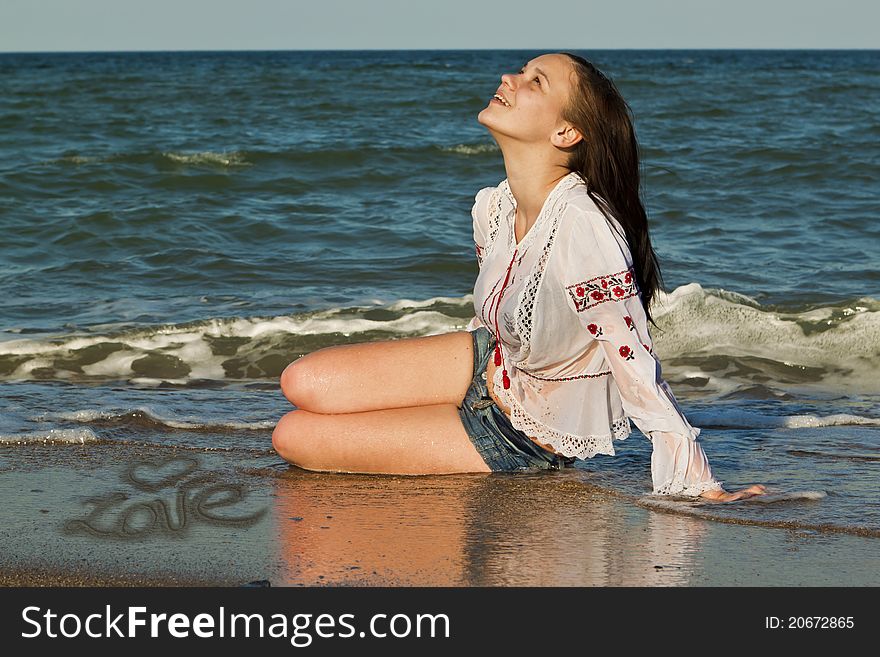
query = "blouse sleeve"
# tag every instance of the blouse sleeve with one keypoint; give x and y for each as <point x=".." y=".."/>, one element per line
<point x="601" y="289"/>
<point x="480" y="215"/>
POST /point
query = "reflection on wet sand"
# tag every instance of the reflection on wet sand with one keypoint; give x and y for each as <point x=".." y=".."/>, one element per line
<point x="496" y="529"/>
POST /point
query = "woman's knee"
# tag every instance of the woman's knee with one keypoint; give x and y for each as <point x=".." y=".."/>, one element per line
<point x="298" y="382"/>
<point x="287" y="381"/>
<point x="290" y="439"/>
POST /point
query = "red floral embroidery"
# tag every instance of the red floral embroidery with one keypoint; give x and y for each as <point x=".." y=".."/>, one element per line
<point x="626" y="353"/>
<point x="612" y="287"/>
<point x="595" y="329"/>
<point x="647" y="348"/>
<point x="629" y="322"/>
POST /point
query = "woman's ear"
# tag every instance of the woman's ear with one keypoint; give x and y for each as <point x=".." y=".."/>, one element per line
<point x="567" y="136"/>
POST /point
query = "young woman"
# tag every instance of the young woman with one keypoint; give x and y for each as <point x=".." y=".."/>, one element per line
<point x="558" y="357"/>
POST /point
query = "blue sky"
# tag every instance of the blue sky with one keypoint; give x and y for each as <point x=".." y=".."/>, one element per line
<point x="77" y="25"/>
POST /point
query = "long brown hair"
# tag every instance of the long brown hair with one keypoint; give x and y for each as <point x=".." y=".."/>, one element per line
<point x="607" y="158"/>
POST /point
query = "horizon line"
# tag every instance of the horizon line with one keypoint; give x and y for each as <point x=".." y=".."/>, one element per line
<point x="243" y="50"/>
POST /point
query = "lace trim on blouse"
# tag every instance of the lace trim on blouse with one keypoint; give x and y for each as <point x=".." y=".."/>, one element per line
<point x="552" y="212"/>
<point x="494" y="219"/>
<point x="530" y="291"/>
<point x="676" y="487"/>
<point x="582" y="447"/>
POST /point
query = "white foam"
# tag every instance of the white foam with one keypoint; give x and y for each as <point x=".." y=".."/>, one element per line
<point x="155" y="383"/>
<point x="836" y="419"/>
<point x="734" y="418"/>
<point x="79" y="159"/>
<point x="67" y="436"/>
<point x="86" y="416"/>
<point x="203" y="364"/>
<point x="697" y="504"/>
<point x="29" y="366"/>
<point x="116" y="364"/>
<point x="233" y="158"/>
<point x="402" y="304"/>
<point x="471" y="149"/>
<point x="771" y="498"/>
<point x="706" y="322"/>
<point x="188" y="338"/>
<point x="840" y="348"/>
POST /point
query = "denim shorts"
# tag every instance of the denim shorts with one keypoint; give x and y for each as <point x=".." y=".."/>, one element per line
<point x="502" y="447"/>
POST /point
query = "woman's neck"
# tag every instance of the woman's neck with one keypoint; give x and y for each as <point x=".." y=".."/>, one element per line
<point x="530" y="188"/>
<point x="532" y="173"/>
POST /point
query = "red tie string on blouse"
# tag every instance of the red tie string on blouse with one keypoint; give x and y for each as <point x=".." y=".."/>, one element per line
<point x="505" y="379"/>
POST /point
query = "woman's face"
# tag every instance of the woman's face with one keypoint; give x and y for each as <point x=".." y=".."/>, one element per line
<point x="535" y="98"/>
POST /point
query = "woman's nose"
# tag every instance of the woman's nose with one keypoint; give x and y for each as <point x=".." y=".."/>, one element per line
<point x="508" y="79"/>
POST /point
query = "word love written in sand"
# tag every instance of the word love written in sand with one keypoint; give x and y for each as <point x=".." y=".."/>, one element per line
<point x="180" y="495"/>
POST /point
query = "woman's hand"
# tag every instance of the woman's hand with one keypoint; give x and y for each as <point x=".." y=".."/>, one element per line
<point x="742" y="494"/>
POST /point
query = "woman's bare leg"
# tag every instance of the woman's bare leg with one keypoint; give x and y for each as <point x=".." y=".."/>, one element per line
<point x="412" y="440"/>
<point x="422" y="371"/>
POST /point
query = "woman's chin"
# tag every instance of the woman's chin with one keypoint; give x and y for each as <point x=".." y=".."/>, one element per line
<point x="488" y="121"/>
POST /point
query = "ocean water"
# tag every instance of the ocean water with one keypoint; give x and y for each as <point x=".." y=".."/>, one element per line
<point x="178" y="227"/>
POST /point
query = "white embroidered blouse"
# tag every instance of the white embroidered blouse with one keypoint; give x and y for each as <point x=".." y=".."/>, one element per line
<point x="574" y="337"/>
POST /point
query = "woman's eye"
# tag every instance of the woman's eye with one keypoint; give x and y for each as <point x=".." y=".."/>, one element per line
<point x="522" y="70"/>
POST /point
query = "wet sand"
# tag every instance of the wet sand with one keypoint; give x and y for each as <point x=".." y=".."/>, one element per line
<point x="112" y="515"/>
